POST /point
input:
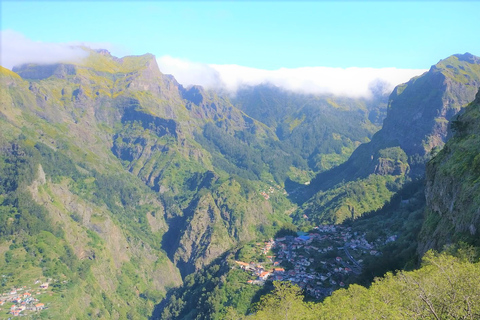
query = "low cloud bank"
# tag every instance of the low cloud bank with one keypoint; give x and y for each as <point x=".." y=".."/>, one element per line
<point x="190" y="73"/>
<point x="16" y="49"/>
<point x="353" y="82"/>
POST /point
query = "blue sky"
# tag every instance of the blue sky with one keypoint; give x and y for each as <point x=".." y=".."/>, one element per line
<point x="266" y="35"/>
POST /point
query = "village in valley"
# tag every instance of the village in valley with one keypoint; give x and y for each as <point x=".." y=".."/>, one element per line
<point x="270" y="190"/>
<point x="321" y="261"/>
<point x="23" y="300"/>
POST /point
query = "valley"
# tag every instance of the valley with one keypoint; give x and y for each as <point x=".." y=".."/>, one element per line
<point x="319" y="262"/>
<point x="148" y="199"/>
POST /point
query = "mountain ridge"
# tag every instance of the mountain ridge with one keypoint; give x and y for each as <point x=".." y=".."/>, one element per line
<point x="156" y="180"/>
<point x="415" y="125"/>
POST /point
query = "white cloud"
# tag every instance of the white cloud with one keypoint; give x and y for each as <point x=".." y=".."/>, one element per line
<point x="354" y="82"/>
<point x="16" y="49"/>
<point x="190" y="73"/>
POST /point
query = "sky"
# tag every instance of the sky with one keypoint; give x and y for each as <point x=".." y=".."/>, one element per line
<point x="317" y="46"/>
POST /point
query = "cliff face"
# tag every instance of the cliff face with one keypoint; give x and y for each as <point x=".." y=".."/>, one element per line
<point x="453" y="186"/>
<point x="419" y="110"/>
<point x="130" y="195"/>
<point x="217" y="221"/>
<point x="124" y="119"/>
<point x="418" y="114"/>
<point x="416" y="124"/>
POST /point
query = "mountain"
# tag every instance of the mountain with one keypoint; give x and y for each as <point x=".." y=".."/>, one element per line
<point x="452" y="186"/>
<point x="443" y="285"/>
<point x="118" y="182"/>
<point x="71" y="216"/>
<point x="416" y="126"/>
<point x="179" y="141"/>
<point x="322" y="129"/>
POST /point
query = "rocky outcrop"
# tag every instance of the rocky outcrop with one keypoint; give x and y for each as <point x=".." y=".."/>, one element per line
<point x="420" y="110"/>
<point x="216" y="222"/>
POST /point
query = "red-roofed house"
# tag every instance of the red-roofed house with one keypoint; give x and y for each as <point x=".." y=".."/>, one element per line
<point x="39" y="306"/>
<point x="264" y="275"/>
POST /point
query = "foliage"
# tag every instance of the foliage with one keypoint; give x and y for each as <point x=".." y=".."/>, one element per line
<point x="245" y="155"/>
<point x="284" y="302"/>
<point x="18" y="211"/>
<point x="350" y="200"/>
<point x="446" y="287"/>
<point x="401" y="217"/>
<point x="219" y="291"/>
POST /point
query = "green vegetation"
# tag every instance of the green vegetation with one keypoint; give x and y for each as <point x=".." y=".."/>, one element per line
<point x="284" y="302"/>
<point x="116" y="183"/>
<point x="36" y="245"/>
<point x="446" y="287"/>
<point x="349" y="200"/>
<point x="452" y="192"/>
<point x="456" y="68"/>
<point x="19" y="213"/>
<point x="217" y="292"/>
<point x="402" y="217"/>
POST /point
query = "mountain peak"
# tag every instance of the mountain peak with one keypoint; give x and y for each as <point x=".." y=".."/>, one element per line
<point x="455" y="59"/>
<point x="468" y="57"/>
<point x="103" y="52"/>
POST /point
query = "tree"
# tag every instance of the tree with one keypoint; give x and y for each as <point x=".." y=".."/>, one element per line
<point x="284" y="302"/>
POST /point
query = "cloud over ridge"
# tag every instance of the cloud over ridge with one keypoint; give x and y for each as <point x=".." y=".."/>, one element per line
<point x="353" y="82"/>
<point x="16" y="49"/>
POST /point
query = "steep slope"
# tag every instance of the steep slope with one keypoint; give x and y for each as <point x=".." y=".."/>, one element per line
<point x="452" y="216"/>
<point x="322" y="129"/>
<point x="414" y="129"/>
<point x="71" y="217"/>
<point x="103" y="107"/>
<point x="453" y="186"/>
<point x="445" y="286"/>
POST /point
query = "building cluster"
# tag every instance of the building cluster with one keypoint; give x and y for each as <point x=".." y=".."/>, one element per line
<point x="319" y="262"/>
<point x="19" y="301"/>
<point x="266" y="194"/>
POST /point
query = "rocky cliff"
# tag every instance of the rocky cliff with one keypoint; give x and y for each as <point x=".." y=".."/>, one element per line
<point x="453" y="186"/>
<point x="416" y="126"/>
<point x="205" y="161"/>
